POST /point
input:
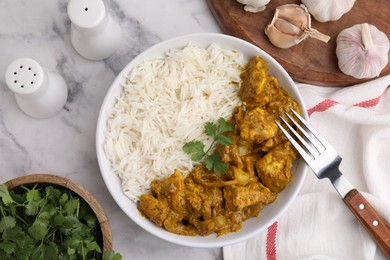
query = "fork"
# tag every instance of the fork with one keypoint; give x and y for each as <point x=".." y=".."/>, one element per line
<point x="323" y="159"/>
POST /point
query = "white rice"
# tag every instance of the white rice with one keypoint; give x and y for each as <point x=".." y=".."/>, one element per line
<point x="164" y="104"/>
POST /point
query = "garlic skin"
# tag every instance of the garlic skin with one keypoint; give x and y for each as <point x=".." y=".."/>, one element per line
<point x="328" y="10"/>
<point x="254" y="6"/>
<point x="362" y="51"/>
<point x="290" y="25"/>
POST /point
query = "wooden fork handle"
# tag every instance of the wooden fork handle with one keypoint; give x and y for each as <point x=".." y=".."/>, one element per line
<point x="370" y="219"/>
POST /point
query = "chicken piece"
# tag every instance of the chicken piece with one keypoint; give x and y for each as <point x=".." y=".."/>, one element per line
<point x="255" y="79"/>
<point x="239" y="197"/>
<point x="281" y="103"/>
<point x="153" y="209"/>
<point x="232" y="224"/>
<point x="257" y="125"/>
<point x="232" y="153"/>
<point x="212" y="202"/>
<point x="172" y="191"/>
<point x="249" y="163"/>
<point x="205" y="201"/>
<point x="258" y="88"/>
<point x="176" y="225"/>
<point x="206" y="227"/>
<point x="274" y="169"/>
<point x="238" y="115"/>
<point x="193" y="194"/>
<point x="271" y="143"/>
<point x="276" y="108"/>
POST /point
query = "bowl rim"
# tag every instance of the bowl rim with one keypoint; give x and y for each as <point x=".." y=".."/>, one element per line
<point x="51" y="179"/>
<point x="177" y="239"/>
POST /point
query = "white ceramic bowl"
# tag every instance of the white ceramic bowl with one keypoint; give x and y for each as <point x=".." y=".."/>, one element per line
<point x="252" y="226"/>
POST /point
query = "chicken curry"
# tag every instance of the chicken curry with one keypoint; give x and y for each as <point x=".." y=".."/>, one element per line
<point x="259" y="163"/>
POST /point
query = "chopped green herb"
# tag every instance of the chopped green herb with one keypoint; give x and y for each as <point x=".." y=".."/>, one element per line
<point x="196" y="149"/>
<point x="48" y="223"/>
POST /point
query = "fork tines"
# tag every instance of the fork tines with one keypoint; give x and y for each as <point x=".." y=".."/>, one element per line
<point x="307" y="140"/>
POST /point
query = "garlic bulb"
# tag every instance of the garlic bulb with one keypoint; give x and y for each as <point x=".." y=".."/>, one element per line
<point x="328" y="10"/>
<point x="254" y="6"/>
<point x="362" y="51"/>
<point x="290" y="25"/>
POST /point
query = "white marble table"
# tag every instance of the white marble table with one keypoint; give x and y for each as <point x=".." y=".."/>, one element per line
<point x="65" y="144"/>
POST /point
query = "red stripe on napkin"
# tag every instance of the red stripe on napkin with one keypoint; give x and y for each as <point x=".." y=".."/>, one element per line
<point x="321" y="107"/>
<point x="368" y="103"/>
<point x="328" y="103"/>
<point x="271" y="241"/>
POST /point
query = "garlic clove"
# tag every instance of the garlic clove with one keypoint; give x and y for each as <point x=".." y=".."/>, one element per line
<point x="362" y="51"/>
<point x="281" y="39"/>
<point x="295" y="14"/>
<point x="290" y="25"/>
<point x="254" y="9"/>
<point x="329" y="10"/>
<point x="286" y="27"/>
<point x="254" y="6"/>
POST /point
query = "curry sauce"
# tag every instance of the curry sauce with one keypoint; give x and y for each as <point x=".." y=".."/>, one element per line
<point x="259" y="162"/>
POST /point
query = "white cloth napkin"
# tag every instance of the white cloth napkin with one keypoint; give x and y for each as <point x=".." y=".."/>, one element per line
<point x="356" y="121"/>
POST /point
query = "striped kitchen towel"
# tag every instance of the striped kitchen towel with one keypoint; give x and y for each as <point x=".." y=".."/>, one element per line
<point x="356" y="121"/>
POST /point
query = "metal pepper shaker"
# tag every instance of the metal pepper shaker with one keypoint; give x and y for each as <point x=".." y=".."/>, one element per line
<point x="38" y="93"/>
<point x="94" y="34"/>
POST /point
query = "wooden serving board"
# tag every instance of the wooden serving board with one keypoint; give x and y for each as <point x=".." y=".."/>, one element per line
<point x="312" y="61"/>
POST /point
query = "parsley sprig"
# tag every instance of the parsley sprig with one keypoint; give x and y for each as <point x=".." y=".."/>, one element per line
<point x="48" y="223"/>
<point x="197" y="151"/>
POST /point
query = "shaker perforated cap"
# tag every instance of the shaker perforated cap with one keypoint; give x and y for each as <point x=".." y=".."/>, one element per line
<point x="38" y="93"/>
<point x="24" y="76"/>
<point x="86" y="14"/>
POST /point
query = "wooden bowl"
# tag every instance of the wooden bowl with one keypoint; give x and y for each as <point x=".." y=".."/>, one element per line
<point x="59" y="181"/>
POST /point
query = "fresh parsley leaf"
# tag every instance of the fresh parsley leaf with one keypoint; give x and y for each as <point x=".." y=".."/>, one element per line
<point x="39" y="229"/>
<point x="71" y="251"/>
<point x="49" y="210"/>
<point x="7" y="222"/>
<point x="44" y="251"/>
<point x="5" y="196"/>
<point x="213" y="163"/>
<point x="53" y="195"/>
<point x="34" y="201"/>
<point x="224" y="140"/>
<point x="33" y="195"/>
<point x="49" y="251"/>
<point x="71" y="206"/>
<point x="90" y="221"/>
<point x="63" y="199"/>
<point x="220" y="167"/>
<point x="195" y="149"/>
<point x="210" y="129"/>
<point x="92" y="245"/>
<point x="18" y="236"/>
<point x="210" y="160"/>
<point x="58" y="220"/>
<point x="224" y="126"/>
<point x="72" y="241"/>
<point x="68" y="225"/>
<point x="111" y="255"/>
<point x="8" y="247"/>
<point x="32" y="208"/>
